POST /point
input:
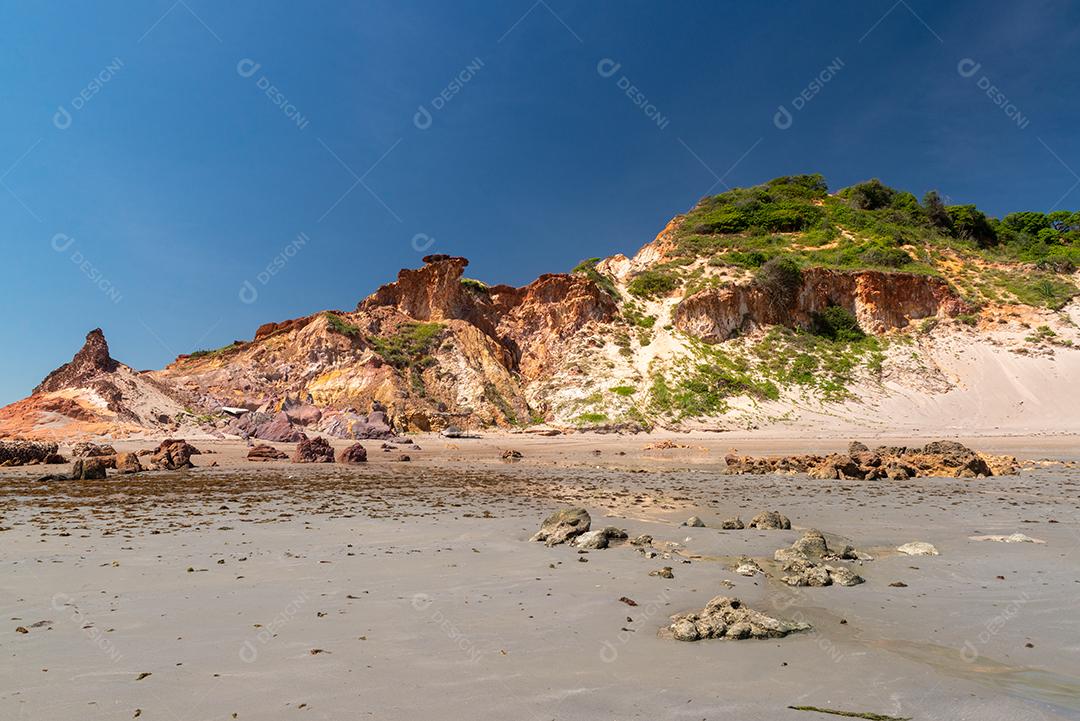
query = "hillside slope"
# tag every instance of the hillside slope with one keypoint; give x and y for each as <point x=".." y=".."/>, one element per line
<point x="780" y="306"/>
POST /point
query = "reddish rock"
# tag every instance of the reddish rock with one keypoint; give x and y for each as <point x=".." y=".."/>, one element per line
<point x="352" y="455"/>
<point x="304" y="414"/>
<point x="173" y="454"/>
<point x="314" y="450"/>
<point x="88" y="469"/>
<point x="127" y="463"/>
<point x="263" y="452"/>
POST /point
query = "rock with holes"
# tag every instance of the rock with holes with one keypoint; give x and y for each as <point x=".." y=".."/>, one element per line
<point x="562" y="526"/>
<point x="728" y="618"/>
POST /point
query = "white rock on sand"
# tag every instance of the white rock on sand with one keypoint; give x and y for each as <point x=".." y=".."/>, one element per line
<point x="1014" y="538"/>
<point x="918" y="548"/>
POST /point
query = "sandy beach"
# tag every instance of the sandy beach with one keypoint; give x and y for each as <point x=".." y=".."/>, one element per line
<point x="400" y="590"/>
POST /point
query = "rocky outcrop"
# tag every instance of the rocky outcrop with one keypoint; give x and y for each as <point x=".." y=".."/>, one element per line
<point x="939" y="459"/>
<point x="21" y="453"/>
<point x="727" y="618"/>
<point x="91" y="360"/>
<point x="880" y="301"/>
<point x="313" y="450"/>
<point x="563" y="526"/>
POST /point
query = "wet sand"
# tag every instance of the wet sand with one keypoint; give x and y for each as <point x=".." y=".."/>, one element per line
<point x="409" y="590"/>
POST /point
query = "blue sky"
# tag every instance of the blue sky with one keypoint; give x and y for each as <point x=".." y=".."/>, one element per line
<point x="155" y="156"/>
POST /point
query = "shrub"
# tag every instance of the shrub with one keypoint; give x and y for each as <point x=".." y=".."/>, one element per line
<point x="474" y="285"/>
<point x="871" y="195"/>
<point x="409" y="345"/>
<point x="588" y="269"/>
<point x="651" y="283"/>
<point x="970" y="223"/>
<point x="885" y="257"/>
<point x="837" y="324"/>
<point x="780" y="280"/>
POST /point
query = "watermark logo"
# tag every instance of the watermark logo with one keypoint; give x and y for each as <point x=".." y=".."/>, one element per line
<point x="421" y="242"/>
<point x="62" y="602"/>
<point x="785" y="118"/>
<point x="423" y="603"/>
<point x="609" y="649"/>
<point x="247" y="68"/>
<point x="249" y="292"/>
<point x="64" y="115"/>
<point x="607" y="68"/>
<point x="62" y="243"/>
<point x="425" y="114"/>
<point x="249" y="649"/>
<point x="968" y="68"/>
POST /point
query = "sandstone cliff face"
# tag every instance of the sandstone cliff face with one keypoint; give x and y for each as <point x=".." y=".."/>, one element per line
<point x="93" y="394"/>
<point x="430" y="350"/>
<point x="880" y="301"/>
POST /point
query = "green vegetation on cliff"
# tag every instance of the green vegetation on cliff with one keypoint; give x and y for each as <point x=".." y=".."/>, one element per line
<point x="1024" y="257"/>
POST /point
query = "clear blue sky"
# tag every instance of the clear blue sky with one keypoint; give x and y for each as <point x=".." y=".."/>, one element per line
<point x="147" y="174"/>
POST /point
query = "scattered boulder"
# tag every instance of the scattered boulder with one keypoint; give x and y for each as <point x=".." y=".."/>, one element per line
<point x="918" y="548"/>
<point x="511" y="456"/>
<point x="313" y="450"/>
<point x="173" y="454"/>
<point x="664" y="572"/>
<point x="728" y="618"/>
<point x="803" y="562"/>
<point x="353" y="455"/>
<point x="88" y="469"/>
<point x="694" y="522"/>
<point x="127" y="463"/>
<point x="770" y="521"/>
<point x="21" y="453"/>
<point x="643" y="540"/>
<point x="595" y="540"/>
<point x="263" y="452"/>
<point x="732" y="524"/>
<point x="88" y="450"/>
<point x="748" y="567"/>
<point x="562" y="526"/>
